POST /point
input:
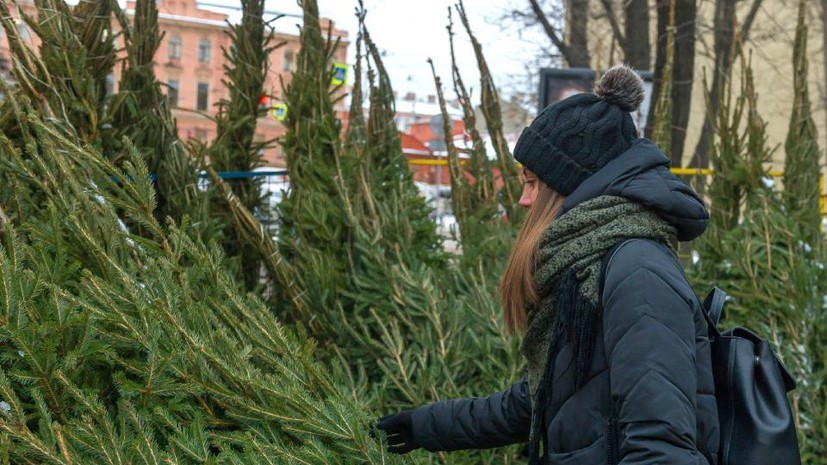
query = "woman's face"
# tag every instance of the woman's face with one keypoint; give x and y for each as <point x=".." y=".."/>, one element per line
<point x="531" y="185"/>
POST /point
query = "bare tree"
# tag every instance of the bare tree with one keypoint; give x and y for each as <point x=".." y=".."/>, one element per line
<point x="824" y="55"/>
<point x="634" y="37"/>
<point x="728" y="37"/>
<point x="683" y="69"/>
<point x="571" y="41"/>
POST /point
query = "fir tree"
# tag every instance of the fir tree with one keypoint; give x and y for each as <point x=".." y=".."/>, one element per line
<point x="483" y="233"/>
<point x="140" y="113"/>
<point x="313" y="223"/>
<point x="234" y="148"/>
<point x="801" y="166"/>
<point x="480" y="168"/>
<point x="124" y="348"/>
<point x="73" y="90"/>
<point x="390" y="176"/>
<point x="662" y="131"/>
<point x="760" y="254"/>
<point x="350" y="205"/>
<point x="491" y="110"/>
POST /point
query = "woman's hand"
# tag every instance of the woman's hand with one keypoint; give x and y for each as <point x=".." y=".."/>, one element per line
<point x="399" y="431"/>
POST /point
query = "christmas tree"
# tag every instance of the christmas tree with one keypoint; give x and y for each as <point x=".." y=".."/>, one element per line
<point x="762" y="247"/>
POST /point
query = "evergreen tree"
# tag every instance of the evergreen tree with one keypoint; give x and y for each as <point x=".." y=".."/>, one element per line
<point x="234" y="148"/>
<point x="407" y="225"/>
<point x="662" y="130"/>
<point x="351" y="206"/>
<point x="475" y="201"/>
<point x="140" y="112"/>
<point x="140" y="349"/>
<point x="73" y="90"/>
<point x="492" y="111"/>
<point x="761" y="255"/>
<point x="801" y="165"/>
<point x="313" y="224"/>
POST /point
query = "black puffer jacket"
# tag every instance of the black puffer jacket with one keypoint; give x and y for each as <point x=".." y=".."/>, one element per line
<point x="652" y="355"/>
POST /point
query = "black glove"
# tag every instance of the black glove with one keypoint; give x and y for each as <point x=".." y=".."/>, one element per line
<point x="399" y="431"/>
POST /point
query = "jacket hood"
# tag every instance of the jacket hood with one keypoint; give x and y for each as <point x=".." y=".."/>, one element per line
<point x="641" y="174"/>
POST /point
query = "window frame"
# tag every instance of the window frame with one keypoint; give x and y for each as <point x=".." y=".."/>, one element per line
<point x="202" y="105"/>
<point x="204" y="56"/>
<point x="288" y="61"/>
<point x="175" y="47"/>
<point x="173" y="90"/>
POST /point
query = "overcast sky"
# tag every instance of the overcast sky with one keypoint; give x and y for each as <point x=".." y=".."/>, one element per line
<point x="410" y="32"/>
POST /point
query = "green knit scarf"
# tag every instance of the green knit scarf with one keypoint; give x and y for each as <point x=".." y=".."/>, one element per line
<point x="568" y="262"/>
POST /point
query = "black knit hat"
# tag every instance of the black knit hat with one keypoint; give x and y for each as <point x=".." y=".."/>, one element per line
<point x="571" y="139"/>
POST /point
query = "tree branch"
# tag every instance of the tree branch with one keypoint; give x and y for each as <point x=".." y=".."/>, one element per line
<point x="610" y="14"/>
<point x="749" y="19"/>
<point x="549" y="30"/>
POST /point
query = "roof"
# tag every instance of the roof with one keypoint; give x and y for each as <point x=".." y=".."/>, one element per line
<point x="412" y="146"/>
<point x="424" y="108"/>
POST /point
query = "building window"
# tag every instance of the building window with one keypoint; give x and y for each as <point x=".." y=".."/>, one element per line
<point x="174" y="50"/>
<point x="289" y="59"/>
<point x="172" y="93"/>
<point x="110" y="84"/>
<point x="203" y="96"/>
<point x="204" y="50"/>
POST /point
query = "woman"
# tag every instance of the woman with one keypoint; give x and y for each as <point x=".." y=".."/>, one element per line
<point x="618" y="360"/>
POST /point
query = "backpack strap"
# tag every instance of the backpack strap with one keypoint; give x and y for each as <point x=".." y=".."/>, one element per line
<point x="713" y="308"/>
<point x="607" y="259"/>
<point x="714" y="304"/>
<point x="613" y="432"/>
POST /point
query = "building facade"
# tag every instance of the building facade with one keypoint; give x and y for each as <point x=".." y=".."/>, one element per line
<point x="190" y="64"/>
<point x="191" y="61"/>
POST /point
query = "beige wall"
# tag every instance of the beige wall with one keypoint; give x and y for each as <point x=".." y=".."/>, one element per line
<point x="771" y="44"/>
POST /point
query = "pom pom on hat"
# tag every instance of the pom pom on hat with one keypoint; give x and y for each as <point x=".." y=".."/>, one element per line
<point x="622" y="86"/>
<point x="574" y="138"/>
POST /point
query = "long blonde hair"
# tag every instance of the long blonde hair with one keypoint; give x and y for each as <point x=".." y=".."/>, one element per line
<point x="517" y="284"/>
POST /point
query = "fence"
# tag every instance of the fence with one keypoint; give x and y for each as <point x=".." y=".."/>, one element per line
<point x="276" y="182"/>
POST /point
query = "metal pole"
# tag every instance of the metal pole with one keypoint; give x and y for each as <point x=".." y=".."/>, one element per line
<point x="267" y="12"/>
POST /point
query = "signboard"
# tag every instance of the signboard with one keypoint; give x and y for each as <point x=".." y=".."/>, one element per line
<point x="279" y="111"/>
<point x="558" y="83"/>
<point x="339" y="74"/>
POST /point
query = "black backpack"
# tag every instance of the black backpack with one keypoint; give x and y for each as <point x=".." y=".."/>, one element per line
<point x="751" y="385"/>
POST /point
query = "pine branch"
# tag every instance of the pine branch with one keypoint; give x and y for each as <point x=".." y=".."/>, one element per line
<point x="460" y="188"/>
<point x="139" y="112"/>
<point x="801" y="165"/>
<point x="662" y="132"/>
<point x="480" y="166"/>
<point x="490" y="105"/>
<point x="234" y="149"/>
